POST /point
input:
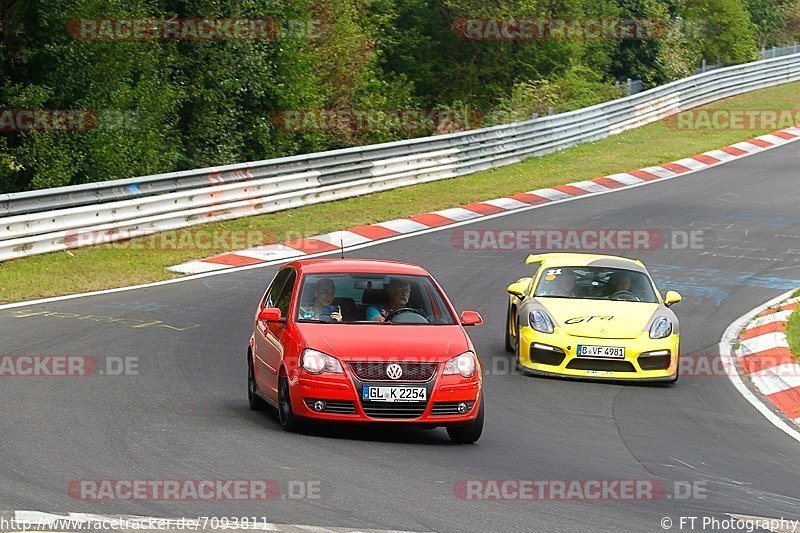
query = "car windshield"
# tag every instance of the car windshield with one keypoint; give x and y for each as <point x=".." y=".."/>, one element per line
<point x="596" y="283"/>
<point x="361" y="298"/>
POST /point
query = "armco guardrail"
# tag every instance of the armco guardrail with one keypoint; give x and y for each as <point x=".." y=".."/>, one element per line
<point x="55" y="219"/>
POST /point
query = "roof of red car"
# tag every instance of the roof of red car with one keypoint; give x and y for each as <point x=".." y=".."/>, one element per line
<point x="366" y="266"/>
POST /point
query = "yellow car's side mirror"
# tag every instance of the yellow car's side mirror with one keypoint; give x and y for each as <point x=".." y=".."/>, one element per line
<point x="672" y="297"/>
<point x="516" y="289"/>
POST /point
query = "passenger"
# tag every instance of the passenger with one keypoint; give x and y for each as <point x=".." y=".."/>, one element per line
<point x="324" y="292"/>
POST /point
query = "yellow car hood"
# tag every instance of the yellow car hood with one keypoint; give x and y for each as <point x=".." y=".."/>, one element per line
<point x="600" y="318"/>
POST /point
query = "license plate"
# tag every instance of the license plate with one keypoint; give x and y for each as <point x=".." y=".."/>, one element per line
<point x="394" y="394"/>
<point x="614" y="352"/>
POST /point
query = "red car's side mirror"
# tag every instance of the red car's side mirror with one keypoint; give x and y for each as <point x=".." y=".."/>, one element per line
<point x="270" y="314"/>
<point x="471" y="318"/>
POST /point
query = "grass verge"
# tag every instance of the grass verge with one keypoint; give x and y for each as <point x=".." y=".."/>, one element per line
<point x="793" y="329"/>
<point x="793" y="333"/>
<point x="102" y="267"/>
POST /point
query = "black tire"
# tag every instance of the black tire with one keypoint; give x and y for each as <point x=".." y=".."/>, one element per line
<point x="286" y="416"/>
<point x="469" y="433"/>
<point x="253" y="399"/>
<point x="509" y="344"/>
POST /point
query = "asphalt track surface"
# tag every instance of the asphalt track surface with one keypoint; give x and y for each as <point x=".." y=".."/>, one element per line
<point x="185" y="415"/>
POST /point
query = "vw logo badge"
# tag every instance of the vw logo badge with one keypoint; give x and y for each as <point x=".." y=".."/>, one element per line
<point x="394" y="371"/>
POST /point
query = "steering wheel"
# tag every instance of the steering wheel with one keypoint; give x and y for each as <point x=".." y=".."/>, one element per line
<point x="402" y="310"/>
<point x="627" y="296"/>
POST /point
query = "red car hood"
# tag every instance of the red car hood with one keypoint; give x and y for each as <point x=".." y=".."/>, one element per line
<point x="370" y="342"/>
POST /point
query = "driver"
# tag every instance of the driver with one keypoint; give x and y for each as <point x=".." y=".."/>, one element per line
<point x="620" y="282"/>
<point x="399" y="291"/>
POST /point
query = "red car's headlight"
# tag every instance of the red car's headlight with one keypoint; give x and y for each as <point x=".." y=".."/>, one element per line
<point x="464" y="364"/>
<point x="316" y="362"/>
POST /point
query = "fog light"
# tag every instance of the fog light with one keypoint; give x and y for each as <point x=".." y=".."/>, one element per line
<point x="319" y="405"/>
<point x="462" y="408"/>
<point x="656" y="353"/>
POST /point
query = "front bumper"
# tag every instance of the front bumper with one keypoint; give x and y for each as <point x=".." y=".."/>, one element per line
<point x="341" y="395"/>
<point x="562" y="360"/>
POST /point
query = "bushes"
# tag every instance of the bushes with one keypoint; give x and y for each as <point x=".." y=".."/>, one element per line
<point x="171" y="105"/>
<point x="577" y="88"/>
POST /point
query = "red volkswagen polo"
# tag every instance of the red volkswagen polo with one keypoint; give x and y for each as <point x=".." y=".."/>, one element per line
<point x="364" y="341"/>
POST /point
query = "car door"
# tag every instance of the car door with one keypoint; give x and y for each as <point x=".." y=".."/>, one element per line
<point x="269" y="337"/>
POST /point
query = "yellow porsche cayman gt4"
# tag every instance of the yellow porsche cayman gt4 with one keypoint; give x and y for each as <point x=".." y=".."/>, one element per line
<point x="592" y="316"/>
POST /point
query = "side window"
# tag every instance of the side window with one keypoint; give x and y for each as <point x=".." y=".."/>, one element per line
<point x="277" y="285"/>
<point x="534" y="271"/>
<point x="284" y="297"/>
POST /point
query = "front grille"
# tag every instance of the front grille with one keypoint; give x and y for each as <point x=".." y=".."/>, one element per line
<point x="654" y="362"/>
<point x="393" y="410"/>
<point x="377" y="371"/>
<point x="334" y="407"/>
<point x="546" y="357"/>
<point x="609" y="365"/>
<point x="449" y="408"/>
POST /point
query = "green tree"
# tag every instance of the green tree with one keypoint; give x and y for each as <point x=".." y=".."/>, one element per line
<point x="777" y="21"/>
<point x="731" y="36"/>
<point x="49" y="69"/>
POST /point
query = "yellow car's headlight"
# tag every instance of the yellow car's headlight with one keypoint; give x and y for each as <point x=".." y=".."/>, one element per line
<point x="540" y="321"/>
<point x="661" y="328"/>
